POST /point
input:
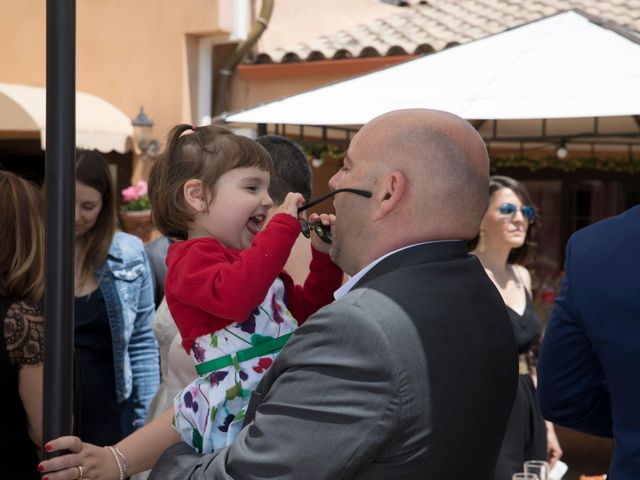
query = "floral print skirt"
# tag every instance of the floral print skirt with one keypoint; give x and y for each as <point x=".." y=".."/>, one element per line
<point x="209" y="412"/>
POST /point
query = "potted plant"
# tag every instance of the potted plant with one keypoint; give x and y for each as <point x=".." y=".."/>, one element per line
<point x="135" y="213"/>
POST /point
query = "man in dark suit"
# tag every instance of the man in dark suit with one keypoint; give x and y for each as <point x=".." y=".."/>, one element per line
<point x="589" y="368"/>
<point x="411" y="373"/>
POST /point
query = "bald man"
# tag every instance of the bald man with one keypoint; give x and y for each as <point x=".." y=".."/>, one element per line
<point x="412" y="371"/>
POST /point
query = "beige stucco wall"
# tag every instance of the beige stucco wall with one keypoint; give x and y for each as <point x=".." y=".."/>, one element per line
<point x="129" y="52"/>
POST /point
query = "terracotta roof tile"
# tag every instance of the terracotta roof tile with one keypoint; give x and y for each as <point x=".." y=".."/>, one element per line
<point x="423" y="27"/>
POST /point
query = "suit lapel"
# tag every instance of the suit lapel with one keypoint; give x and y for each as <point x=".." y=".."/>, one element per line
<point x="418" y="254"/>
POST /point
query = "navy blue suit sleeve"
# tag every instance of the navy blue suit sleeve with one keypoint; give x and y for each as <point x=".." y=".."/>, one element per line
<point x="572" y="388"/>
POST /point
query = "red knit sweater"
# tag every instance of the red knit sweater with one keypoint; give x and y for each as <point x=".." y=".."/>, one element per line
<point x="209" y="286"/>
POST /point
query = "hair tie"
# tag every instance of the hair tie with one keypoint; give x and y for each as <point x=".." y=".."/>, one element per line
<point x="194" y="127"/>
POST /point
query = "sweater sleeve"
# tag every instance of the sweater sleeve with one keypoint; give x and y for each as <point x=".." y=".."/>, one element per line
<point x="324" y="278"/>
<point x="228" y="286"/>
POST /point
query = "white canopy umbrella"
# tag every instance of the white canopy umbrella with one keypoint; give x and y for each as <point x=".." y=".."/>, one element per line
<point x="564" y="66"/>
<point x="99" y="124"/>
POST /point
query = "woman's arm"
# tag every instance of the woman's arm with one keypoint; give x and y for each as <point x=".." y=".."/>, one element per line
<point x="143" y="351"/>
<point x="140" y="450"/>
<point x="25" y="346"/>
<point x="30" y="389"/>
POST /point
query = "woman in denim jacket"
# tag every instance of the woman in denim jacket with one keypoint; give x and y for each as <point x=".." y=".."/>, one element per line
<point x="117" y="359"/>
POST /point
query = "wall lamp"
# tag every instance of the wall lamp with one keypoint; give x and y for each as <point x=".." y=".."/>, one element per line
<point x="142" y="135"/>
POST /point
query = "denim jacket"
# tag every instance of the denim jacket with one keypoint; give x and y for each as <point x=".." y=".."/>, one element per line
<point x="125" y="282"/>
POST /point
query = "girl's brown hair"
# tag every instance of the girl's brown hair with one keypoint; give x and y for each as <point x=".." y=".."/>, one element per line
<point x="520" y="255"/>
<point x="21" y="239"/>
<point x="204" y="154"/>
<point x="93" y="171"/>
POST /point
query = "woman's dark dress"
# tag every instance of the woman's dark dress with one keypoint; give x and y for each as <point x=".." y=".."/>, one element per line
<point x="526" y="436"/>
<point x="99" y="418"/>
<point x="18" y="453"/>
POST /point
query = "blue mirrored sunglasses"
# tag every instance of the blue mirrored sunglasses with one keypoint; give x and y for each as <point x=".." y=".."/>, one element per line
<point x="509" y="210"/>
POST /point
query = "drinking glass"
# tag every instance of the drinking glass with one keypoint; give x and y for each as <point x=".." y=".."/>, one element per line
<point x="539" y="467"/>
<point x="525" y="476"/>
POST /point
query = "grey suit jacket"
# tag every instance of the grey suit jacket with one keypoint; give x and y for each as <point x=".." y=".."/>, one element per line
<point x="411" y="375"/>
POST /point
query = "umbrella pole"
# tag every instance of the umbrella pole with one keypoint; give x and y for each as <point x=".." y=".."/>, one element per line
<point x="60" y="204"/>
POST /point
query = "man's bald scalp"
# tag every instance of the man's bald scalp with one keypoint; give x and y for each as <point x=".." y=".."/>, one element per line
<point x="445" y="162"/>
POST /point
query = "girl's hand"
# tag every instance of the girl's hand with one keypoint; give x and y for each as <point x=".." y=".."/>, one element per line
<point x="290" y="204"/>
<point x="97" y="462"/>
<point x="328" y="220"/>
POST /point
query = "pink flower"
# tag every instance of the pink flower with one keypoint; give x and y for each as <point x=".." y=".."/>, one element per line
<point x="141" y="187"/>
<point x="129" y="194"/>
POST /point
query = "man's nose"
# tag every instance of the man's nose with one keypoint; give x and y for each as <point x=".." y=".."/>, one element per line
<point x="333" y="181"/>
<point x="267" y="201"/>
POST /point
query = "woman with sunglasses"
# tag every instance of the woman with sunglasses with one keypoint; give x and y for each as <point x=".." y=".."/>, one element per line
<point x="503" y="247"/>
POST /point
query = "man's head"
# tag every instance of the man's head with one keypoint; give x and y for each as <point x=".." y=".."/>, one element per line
<point x="429" y="174"/>
<point x="291" y="170"/>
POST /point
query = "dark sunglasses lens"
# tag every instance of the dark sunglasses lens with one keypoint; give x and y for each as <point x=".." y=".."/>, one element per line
<point x="323" y="231"/>
<point x="304" y="226"/>
<point x="529" y="213"/>
<point x="507" y="209"/>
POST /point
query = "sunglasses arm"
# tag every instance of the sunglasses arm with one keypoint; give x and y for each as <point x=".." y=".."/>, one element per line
<point x="321" y="199"/>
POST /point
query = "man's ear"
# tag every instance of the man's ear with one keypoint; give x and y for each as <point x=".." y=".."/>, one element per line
<point x="194" y="195"/>
<point x="392" y="189"/>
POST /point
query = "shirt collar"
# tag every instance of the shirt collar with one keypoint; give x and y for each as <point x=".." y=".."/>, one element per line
<point x="347" y="286"/>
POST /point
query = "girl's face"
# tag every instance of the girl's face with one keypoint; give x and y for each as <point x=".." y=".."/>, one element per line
<point x="501" y="229"/>
<point x="238" y="210"/>
<point x="88" y="207"/>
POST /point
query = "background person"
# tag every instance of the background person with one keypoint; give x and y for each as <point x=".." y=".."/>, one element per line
<point x="156" y="251"/>
<point x="387" y="381"/>
<point x="117" y="355"/>
<point x="503" y="246"/>
<point x="590" y="358"/>
<point x="22" y="342"/>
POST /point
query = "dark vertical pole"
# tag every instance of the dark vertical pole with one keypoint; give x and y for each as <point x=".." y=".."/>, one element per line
<point x="262" y="129"/>
<point x="60" y="204"/>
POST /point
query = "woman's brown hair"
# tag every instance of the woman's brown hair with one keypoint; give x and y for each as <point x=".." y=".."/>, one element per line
<point x="93" y="171"/>
<point x="21" y="239"/>
<point x="205" y="154"/>
<point x="520" y="255"/>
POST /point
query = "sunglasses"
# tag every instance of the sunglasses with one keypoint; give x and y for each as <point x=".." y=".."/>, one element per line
<point x="509" y="210"/>
<point x="324" y="231"/>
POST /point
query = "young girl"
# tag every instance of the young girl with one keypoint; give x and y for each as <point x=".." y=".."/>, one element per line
<point x="232" y="303"/>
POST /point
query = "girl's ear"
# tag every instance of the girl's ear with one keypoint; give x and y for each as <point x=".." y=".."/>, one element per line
<point x="194" y="195"/>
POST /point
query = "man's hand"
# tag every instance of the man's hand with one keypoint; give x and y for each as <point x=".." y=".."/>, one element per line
<point x="328" y="220"/>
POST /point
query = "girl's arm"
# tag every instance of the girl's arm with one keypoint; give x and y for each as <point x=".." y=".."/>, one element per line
<point x="140" y="450"/>
<point x="230" y="286"/>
